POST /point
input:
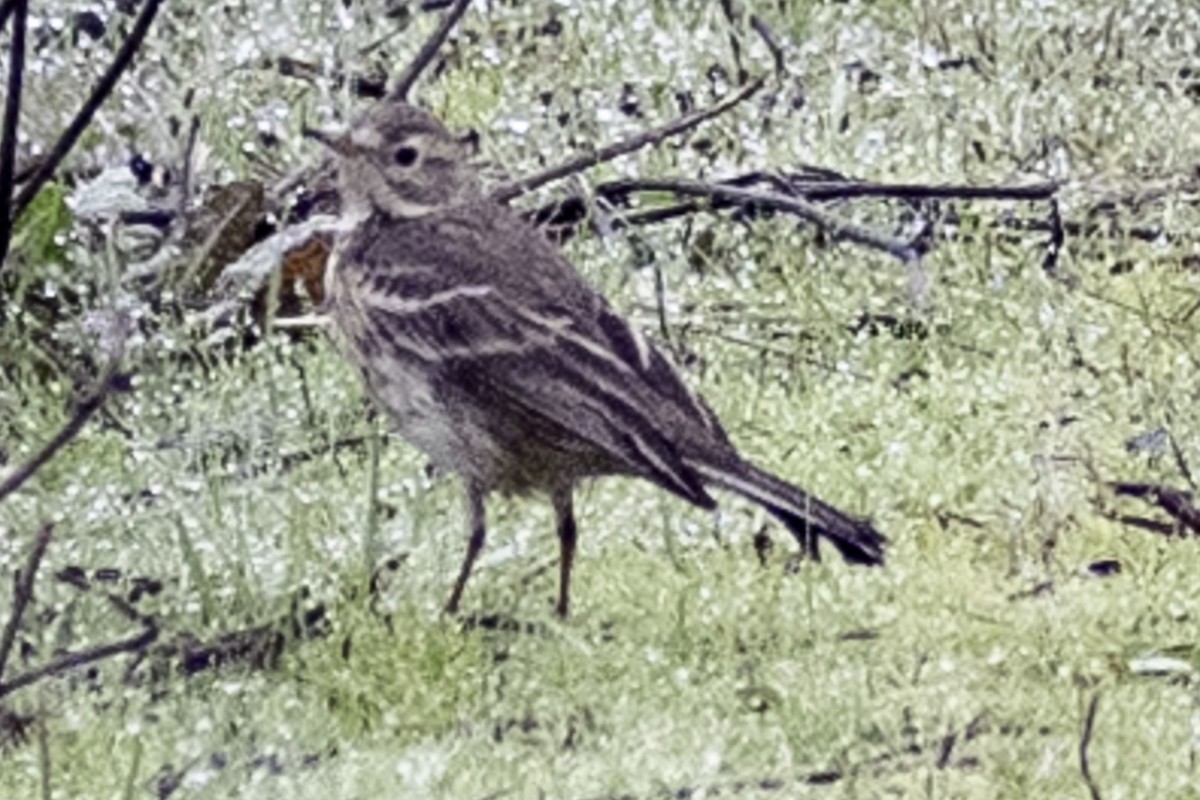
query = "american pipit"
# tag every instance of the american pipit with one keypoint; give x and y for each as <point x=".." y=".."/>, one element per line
<point x="494" y="356"/>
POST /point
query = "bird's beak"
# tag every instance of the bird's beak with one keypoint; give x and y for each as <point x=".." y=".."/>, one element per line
<point x="336" y="140"/>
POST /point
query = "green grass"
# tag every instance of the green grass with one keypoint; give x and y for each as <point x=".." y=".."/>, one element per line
<point x="686" y="664"/>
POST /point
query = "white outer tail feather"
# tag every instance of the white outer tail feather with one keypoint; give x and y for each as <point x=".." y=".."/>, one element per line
<point x="805" y="515"/>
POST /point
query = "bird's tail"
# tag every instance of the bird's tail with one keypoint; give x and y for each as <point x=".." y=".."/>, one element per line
<point x="804" y="515"/>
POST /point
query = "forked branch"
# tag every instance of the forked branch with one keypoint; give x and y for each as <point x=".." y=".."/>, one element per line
<point x="108" y="81"/>
<point x="653" y="136"/>
<point x="427" y="52"/>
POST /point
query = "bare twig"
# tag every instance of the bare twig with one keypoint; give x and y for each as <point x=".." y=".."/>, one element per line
<point x="764" y="31"/>
<point x="1181" y="462"/>
<point x="426" y="6"/>
<point x="735" y="41"/>
<point x="100" y="93"/>
<point x="83" y="412"/>
<point x="1085" y="741"/>
<point x="427" y="52"/>
<point x="1178" y="503"/>
<point x="185" y="178"/>
<point x="769" y="38"/>
<point x="780" y="202"/>
<point x="1156" y="526"/>
<point x="651" y="216"/>
<point x="508" y="191"/>
<point x="826" y="190"/>
<point x="842" y="190"/>
<point x="69" y="661"/>
<point x="185" y="654"/>
<point x="23" y="593"/>
<point x="7" y="8"/>
<point x="12" y="114"/>
<point x="1058" y="238"/>
<point x="562" y="214"/>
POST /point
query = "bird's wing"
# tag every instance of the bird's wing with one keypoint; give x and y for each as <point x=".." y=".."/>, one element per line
<point x="542" y="340"/>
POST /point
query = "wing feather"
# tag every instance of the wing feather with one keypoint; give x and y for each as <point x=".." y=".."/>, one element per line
<point x="590" y="374"/>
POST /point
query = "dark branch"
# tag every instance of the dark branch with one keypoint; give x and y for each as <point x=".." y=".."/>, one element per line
<point x="580" y="163"/>
<point x="100" y="93"/>
<point x="735" y="41"/>
<point x="561" y="216"/>
<point x="12" y="114"/>
<point x="780" y="202"/>
<point x="69" y="431"/>
<point x="1156" y="526"/>
<point x="770" y="40"/>
<point x="825" y="190"/>
<point x="6" y="8"/>
<point x="1085" y="741"/>
<point x="23" y="593"/>
<point x="740" y="191"/>
<point x="185" y="178"/>
<point x="427" y="52"/>
<point x="69" y="661"/>
<point x="1175" y="502"/>
<point x="764" y="32"/>
<point x="841" y="190"/>
<point x="1181" y="462"/>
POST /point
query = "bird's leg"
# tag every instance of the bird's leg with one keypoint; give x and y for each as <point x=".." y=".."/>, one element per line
<point x="477" y="520"/>
<point x="564" y="512"/>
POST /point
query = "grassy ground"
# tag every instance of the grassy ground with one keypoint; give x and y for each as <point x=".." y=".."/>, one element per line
<point x="963" y="669"/>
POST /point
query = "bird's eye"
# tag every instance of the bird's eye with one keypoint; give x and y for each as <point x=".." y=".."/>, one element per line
<point x="405" y="156"/>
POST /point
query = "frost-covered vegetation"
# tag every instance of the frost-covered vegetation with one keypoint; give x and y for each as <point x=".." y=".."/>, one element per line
<point x="978" y="431"/>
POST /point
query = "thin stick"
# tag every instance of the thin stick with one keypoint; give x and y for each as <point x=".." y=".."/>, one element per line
<point x="847" y="190"/>
<point x="69" y="431"/>
<point x="69" y="661"/>
<point x="185" y="178"/>
<point x="735" y="41"/>
<point x="1085" y="741"/>
<point x="841" y="190"/>
<point x="617" y="192"/>
<point x="1176" y="502"/>
<point x="100" y="93"/>
<point x="6" y="8"/>
<point x="791" y="205"/>
<point x="1181" y="460"/>
<point x="768" y="36"/>
<point x="23" y="593"/>
<point x="12" y="114"/>
<point x="508" y="191"/>
<point x="427" y="52"/>
<point x="770" y="40"/>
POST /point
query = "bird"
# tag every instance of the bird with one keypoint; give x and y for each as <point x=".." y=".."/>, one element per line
<point x="490" y="352"/>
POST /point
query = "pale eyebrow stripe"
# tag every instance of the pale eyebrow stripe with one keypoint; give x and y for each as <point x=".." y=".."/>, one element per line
<point x="398" y="305"/>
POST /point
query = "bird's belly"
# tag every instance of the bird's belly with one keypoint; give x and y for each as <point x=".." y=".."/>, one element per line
<point x="460" y="438"/>
<point x="453" y="437"/>
<point x="422" y="419"/>
<point x="458" y="427"/>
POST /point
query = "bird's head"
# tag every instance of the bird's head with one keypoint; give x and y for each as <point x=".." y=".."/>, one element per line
<point x="399" y="159"/>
